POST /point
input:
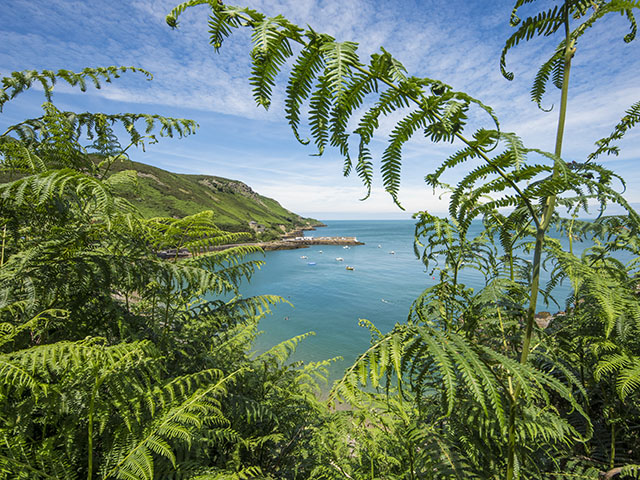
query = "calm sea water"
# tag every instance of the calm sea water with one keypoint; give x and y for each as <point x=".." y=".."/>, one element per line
<point x="329" y="300"/>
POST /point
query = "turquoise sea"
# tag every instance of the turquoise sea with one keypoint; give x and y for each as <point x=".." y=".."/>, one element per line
<point x="328" y="299"/>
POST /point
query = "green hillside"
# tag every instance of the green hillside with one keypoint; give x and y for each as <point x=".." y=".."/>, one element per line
<point x="162" y="193"/>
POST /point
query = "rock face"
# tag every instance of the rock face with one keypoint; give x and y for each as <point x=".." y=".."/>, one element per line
<point x="231" y="186"/>
<point x="151" y="176"/>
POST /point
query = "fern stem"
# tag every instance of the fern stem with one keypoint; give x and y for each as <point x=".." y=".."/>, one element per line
<point x="613" y="446"/>
<point x="4" y="236"/>
<point x="90" y="432"/>
<point x="166" y="310"/>
<point x="569" y="52"/>
<point x="547" y="215"/>
<point x="113" y="160"/>
<point x="411" y="461"/>
<point x="571" y="236"/>
<point x="533" y="299"/>
<point x="372" y="470"/>
<point x="512" y="275"/>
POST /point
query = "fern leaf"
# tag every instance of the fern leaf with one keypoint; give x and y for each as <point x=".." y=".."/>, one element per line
<point x="271" y="50"/>
<point x="391" y="158"/>
<point x="303" y="73"/>
<point x="18" y="82"/>
<point x="340" y="58"/>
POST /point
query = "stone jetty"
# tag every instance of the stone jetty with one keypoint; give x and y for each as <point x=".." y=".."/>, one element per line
<point x="288" y="243"/>
<point x="302" y="242"/>
<point x="296" y="242"/>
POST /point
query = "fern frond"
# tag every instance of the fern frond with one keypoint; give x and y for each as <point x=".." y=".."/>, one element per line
<point x="340" y="58"/>
<point x="172" y="17"/>
<point x="18" y="82"/>
<point x="303" y="74"/>
<point x="543" y="24"/>
<point x="176" y="423"/>
<point x="319" y="109"/>
<point x="271" y="49"/>
<point x="391" y="158"/>
<point x="283" y="350"/>
<point x="630" y="119"/>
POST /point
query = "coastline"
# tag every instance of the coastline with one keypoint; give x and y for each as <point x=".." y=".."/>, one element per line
<point x="292" y="240"/>
<point x="293" y="244"/>
<point x="295" y="239"/>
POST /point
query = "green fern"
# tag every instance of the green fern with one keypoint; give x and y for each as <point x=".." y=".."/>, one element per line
<point x="18" y="82"/>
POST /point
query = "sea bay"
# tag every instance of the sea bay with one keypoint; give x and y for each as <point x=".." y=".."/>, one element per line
<point x="329" y="300"/>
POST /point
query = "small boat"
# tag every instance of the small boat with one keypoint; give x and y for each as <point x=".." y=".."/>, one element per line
<point x="379" y="246"/>
<point x="349" y="267"/>
<point x="319" y="251"/>
<point x="346" y="247"/>
<point x="340" y="259"/>
<point x="311" y="263"/>
<point x="392" y="252"/>
<point x="303" y="256"/>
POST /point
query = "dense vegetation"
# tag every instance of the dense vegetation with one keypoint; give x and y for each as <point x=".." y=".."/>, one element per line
<point x="159" y="193"/>
<point x="112" y="365"/>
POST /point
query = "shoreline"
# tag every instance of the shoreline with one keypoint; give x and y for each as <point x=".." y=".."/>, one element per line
<point x="295" y="239"/>
<point x="293" y="244"/>
<point x="292" y="240"/>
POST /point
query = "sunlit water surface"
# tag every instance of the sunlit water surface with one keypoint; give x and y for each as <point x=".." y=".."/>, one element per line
<point x="329" y="300"/>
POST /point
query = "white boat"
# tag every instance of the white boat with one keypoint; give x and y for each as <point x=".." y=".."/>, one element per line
<point x="303" y="256"/>
<point x="346" y="247"/>
<point x="379" y="246"/>
<point x="340" y="259"/>
<point x="319" y="251"/>
<point x="392" y="252"/>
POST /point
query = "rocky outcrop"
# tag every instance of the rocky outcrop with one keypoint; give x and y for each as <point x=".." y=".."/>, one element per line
<point x="231" y="186"/>
<point x="152" y="177"/>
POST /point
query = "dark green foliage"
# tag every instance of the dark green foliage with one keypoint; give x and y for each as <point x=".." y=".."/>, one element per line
<point x="113" y="364"/>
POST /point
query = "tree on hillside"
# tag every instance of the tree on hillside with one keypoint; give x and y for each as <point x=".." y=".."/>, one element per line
<point x="474" y="387"/>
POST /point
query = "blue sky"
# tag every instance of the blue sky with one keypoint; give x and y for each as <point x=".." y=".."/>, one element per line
<point x="457" y="41"/>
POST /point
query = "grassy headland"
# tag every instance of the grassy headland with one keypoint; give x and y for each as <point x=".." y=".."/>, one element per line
<point x="236" y="206"/>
